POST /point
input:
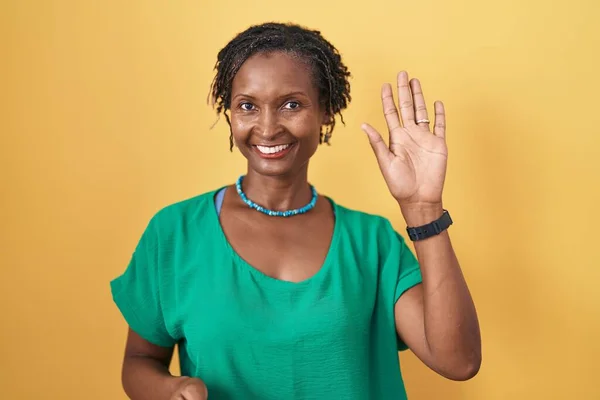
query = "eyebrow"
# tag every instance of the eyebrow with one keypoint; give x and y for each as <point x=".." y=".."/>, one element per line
<point x="290" y="94"/>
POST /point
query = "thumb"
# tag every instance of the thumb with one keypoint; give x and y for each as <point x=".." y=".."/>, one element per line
<point x="379" y="147"/>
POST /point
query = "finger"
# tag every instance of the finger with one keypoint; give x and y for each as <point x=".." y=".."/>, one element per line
<point x="379" y="147"/>
<point x="440" y="120"/>
<point x="390" y="111"/>
<point x="419" y="100"/>
<point x="405" y="99"/>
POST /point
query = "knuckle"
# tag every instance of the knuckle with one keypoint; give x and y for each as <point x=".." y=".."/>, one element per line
<point x="406" y="104"/>
<point x="376" y="140"/>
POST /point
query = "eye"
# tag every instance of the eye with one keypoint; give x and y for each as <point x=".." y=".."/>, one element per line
<point x="292" y="105"/>
<point x="247" y="106"/>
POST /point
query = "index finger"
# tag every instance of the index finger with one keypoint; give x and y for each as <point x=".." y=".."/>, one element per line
<point x="440" y="120"/>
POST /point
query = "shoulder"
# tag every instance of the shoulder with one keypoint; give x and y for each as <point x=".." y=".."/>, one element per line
<point x="189" y="207"/>
<point x="367" y="225"/>
<point x="362" y="219"/>
<point x="373" y="239"/>
<point x="182" y="215"/>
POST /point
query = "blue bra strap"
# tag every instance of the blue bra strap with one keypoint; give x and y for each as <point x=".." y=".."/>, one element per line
<point x="219" y="200"/>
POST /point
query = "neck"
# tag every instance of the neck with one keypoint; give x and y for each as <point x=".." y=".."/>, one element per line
<point x="278" y="193"/>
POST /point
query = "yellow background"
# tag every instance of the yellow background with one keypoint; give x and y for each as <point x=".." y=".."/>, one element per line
<point x="104" y="121"/>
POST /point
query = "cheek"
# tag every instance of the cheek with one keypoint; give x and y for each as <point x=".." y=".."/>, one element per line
<point x="239" y="128"/>
<point x="308" y="131"/>
<point x="308" y="127"/>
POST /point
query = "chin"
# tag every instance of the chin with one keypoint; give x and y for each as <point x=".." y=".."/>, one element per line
<point x="272" y="169"/>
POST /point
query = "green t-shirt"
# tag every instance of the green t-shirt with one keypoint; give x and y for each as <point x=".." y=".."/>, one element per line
<point x="250" y="336"/>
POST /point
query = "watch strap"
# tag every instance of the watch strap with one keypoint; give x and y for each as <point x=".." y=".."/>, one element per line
<point x="431" y="229"/>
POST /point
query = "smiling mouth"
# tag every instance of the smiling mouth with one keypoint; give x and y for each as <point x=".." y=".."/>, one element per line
<point x="276" y="151"/>
<point x="273" y="149"/>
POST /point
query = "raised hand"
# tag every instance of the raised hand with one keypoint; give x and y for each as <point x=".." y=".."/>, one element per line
<point x="414" y="162"/>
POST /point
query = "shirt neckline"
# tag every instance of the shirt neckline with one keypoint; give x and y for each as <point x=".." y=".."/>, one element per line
<point x="261" y="275"/>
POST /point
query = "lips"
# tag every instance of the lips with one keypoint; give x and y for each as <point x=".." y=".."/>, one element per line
<point x="273" y="151"/>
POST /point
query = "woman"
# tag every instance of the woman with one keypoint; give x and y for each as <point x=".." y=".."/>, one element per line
<point x="273" y="291"/>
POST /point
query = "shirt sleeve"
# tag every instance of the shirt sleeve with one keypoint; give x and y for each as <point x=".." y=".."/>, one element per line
<point x="137" y="292"/>
<point x="409" y="276"/>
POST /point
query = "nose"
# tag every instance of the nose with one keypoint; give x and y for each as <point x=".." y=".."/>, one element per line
<point x="269" y="125"/>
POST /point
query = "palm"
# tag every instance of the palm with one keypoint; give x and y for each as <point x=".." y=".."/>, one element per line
<point x="414" y="163"/>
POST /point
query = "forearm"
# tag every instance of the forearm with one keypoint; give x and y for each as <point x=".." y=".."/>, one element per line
<point x="450" y="320"/>
<point x="145" y="378"/>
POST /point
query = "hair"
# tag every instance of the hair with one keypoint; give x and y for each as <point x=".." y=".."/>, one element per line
<point x="329" y="72"/>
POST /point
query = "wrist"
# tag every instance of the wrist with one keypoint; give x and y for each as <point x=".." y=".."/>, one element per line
<point x="418" y="214"/>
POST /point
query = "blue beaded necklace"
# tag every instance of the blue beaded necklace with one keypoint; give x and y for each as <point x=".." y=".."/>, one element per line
<point x="288" y="213"/>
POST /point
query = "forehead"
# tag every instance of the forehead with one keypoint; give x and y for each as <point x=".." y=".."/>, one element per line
<point x="272" y="74"/>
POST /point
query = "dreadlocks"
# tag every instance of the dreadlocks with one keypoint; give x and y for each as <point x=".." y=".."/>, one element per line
<point x="329" y="72"/>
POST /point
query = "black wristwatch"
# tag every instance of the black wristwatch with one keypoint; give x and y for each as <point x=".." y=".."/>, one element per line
<point x="431" y="229"/>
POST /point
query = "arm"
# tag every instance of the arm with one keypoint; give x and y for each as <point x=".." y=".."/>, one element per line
<point x="146" y="375"/>
<point x="145" y="372"/>
<point x="149" y="349"/>
<point x="437" y="319"/>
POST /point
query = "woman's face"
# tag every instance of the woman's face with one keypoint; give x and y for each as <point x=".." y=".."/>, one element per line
<point x="276" y="115"/>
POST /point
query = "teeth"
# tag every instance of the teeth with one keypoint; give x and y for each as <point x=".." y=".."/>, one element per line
<point x="272" y="149"/>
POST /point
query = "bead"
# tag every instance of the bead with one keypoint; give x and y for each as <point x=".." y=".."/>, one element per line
<point x="266" y="211"/>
